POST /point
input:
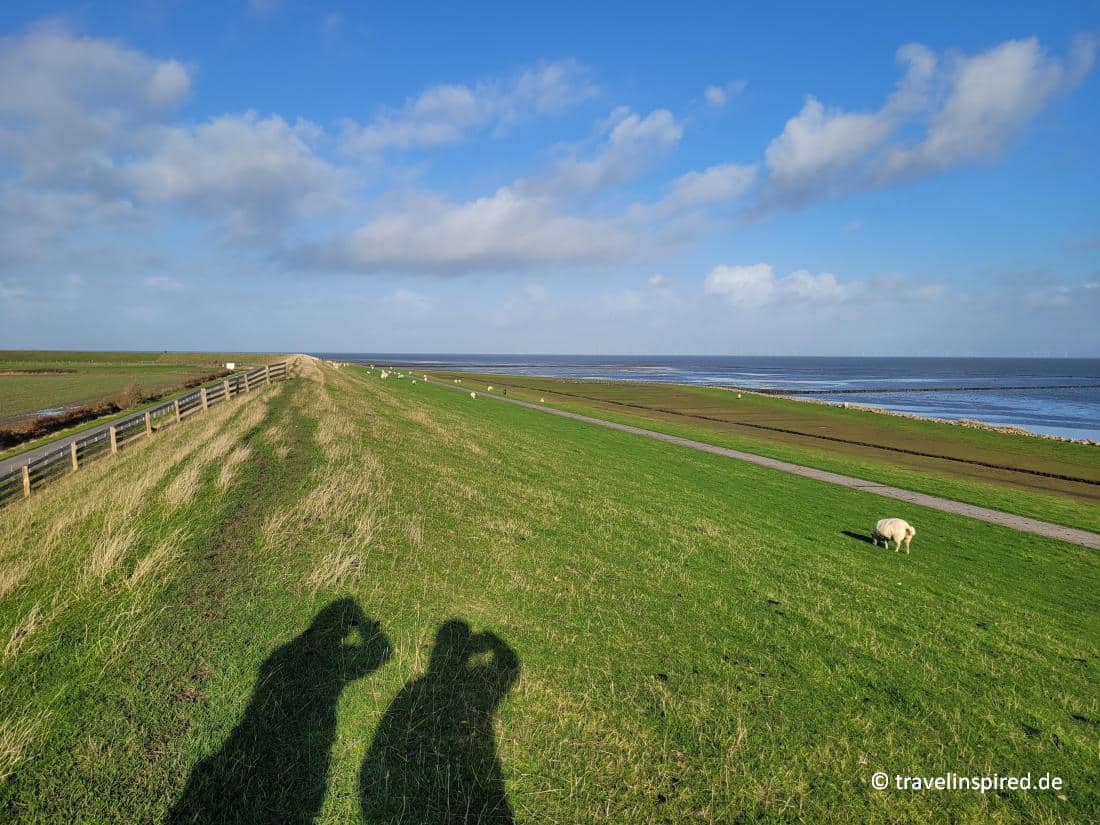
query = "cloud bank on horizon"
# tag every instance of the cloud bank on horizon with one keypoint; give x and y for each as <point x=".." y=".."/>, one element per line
<point x="548" y="206"/>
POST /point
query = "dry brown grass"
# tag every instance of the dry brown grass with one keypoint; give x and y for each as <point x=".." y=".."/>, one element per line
<point x="157" y="560"/>
<point x="16" y="733"/>
<point x="229" y="468"/>
<point x="35" y="620"/>
<point x="109" y="552"/>
<point x="335" y="570"/>
<point x="11" y="574"/>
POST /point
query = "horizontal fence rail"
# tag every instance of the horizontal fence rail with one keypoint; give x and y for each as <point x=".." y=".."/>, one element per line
<point x="20" y="482"/>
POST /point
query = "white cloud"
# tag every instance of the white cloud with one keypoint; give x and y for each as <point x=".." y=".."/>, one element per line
<point x="718" y="96"/>
<point x="631" y="144"/>
<point x="755" y="286"/>
<point x="447" y="113"/>
<point x="817" y="151"/>
<point x="252" y="170"/>
<point x="718" y="183"/>
<point x="67" y="103"/>
<point x="968" y="107"/>
<point x="507" y="231"/>
<point x="992" y="96"/>
<point x="659" y="281"/>
<point x="748" y="286"/>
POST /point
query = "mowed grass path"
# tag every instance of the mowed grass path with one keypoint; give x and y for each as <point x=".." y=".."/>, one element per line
<point x="661" y="634"/>
<point x="854" y="442"/>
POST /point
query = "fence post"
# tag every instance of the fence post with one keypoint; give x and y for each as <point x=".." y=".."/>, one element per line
<point x="202" y="395"/>
<point x="176" y="405"/>
<point x="72" y="452"/>
<point x="267" y="373"/>
<point x="26" y="481"/>
<point x="148" y="424"/>
<point x="225" y="384"/>
<point x="114" y="439"/>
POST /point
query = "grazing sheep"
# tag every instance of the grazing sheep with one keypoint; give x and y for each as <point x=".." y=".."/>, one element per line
<point x="489" y="388"/>
<point x="894" y="530"/>
<point x="542" y="400"/>
<point x="473" y="395"/>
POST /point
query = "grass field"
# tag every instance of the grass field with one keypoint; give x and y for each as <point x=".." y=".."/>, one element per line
<point x="366" y="600"/>
<point x="36" y="380"/>
<point x="866" y="444"/>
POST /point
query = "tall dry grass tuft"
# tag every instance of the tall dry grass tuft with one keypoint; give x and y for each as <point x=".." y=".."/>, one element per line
<point x="109" y="552"/>
<point x="229" y="467"/>
<point x="32" y="623"/>
<point x="16" y="733"/>
<point x="157" y="560"/>
<point x="10" y="575"/>
<point x="335" y="570"/>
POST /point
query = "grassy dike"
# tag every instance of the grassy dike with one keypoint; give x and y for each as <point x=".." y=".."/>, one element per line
<point x="263" y="609"/>
<point x="788" y="430"/>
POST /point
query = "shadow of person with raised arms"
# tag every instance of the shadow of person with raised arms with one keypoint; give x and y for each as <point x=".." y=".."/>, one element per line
<point x="274" y="765"/>
<point x="433" y="758"/>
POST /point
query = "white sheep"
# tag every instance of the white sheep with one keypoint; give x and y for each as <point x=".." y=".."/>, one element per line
<point x="894" y="530"/>
<point x="489" y="388"/>
<point x="473" y="395"/>
<point x="542" y="400"/>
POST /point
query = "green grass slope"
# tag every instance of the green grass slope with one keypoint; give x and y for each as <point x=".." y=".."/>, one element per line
<point x="366" y="600"/>
<point x="861" y="443"/>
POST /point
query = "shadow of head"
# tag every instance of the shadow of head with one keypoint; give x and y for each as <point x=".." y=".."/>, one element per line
<point x="860" y="536"/>
<point x="340" y="620"/>
<point x="456" y="646"/>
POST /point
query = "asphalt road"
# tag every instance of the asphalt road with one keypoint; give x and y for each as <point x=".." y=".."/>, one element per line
<point x="17" y="461"/>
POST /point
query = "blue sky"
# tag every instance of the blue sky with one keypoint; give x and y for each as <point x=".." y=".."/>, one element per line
<point x="603" y="178"/>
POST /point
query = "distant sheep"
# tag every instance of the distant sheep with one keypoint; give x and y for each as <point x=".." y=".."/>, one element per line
<point x="894" y="530"/>
<point x="489" y="388"/>
<point x="473" y="395"/>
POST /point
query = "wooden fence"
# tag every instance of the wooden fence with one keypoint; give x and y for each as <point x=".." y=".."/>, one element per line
<point x="67" y="458"/>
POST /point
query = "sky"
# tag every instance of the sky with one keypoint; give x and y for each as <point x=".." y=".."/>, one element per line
<point x="606" y="178"/>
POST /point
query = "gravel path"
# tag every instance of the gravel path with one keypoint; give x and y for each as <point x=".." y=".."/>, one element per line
<point x="1021" y="523"/>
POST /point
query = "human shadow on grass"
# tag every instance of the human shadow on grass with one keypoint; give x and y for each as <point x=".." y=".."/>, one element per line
<point x="274" y="766"/>
<point x="861" y="536"/>
<point x="433" y="758"/>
